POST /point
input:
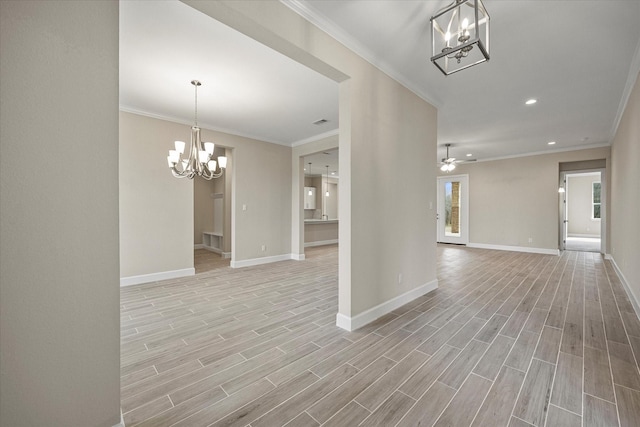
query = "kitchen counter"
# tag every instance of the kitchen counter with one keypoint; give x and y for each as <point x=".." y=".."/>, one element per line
<point x="318" y="232"/>
<point x="320" y="221"/>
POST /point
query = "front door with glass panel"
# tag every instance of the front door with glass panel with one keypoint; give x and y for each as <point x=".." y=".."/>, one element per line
<point x="453" y="209"/>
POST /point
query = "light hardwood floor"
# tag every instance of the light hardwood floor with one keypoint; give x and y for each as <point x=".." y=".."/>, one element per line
<point x="509" y="339"/>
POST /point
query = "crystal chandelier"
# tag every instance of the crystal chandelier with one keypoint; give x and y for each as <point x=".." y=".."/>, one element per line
<point x="199" y="161"/>
<point x="460" y="36"/>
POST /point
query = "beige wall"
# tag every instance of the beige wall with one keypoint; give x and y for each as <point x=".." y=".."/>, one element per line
<point x="157" y="210"/>
<point x="383" y="127"/>
<point x="579" y="205"/>
<point x="59" y="294"/>
<point x="511" y="200"/>
<point x="625" y="194"/>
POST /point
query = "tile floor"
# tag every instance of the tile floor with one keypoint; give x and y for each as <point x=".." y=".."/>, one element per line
<point x="509" y="339"/>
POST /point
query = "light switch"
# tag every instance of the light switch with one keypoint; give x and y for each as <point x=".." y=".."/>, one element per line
<point x="244" y="207"/>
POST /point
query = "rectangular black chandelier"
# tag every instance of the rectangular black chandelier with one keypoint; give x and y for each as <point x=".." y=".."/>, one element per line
<point x="460" y="36"/>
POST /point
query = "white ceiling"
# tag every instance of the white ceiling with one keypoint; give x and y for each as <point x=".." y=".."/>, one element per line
<point x="247" y="88"/>
<point x="578" y="58"/>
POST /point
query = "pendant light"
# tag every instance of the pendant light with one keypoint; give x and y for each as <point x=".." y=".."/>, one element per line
<point x="460" y="36"/>
<point x="327" y="184"/>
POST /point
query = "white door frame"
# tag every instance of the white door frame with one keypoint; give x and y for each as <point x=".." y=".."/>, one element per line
<point x="464" y="211"/>
<point x="603" y="207"/>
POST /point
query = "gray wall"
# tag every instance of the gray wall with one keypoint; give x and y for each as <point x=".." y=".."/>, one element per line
<point x="59" y="294"/>
<point x="625" y="194"/>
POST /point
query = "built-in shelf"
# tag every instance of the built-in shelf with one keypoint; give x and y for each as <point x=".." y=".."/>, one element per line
<point x="212" y="241"/>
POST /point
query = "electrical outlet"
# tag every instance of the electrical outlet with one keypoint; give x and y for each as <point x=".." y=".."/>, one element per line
<point x="244" y="207"/>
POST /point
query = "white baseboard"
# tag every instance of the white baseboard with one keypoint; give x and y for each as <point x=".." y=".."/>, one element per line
<point x="368" y="316"/>
<point x="121" y="423"/>
<point x="297" y="257"/>
<point x="321" y="243"/>
<point x="260" y="261"/>
<point x="528" y="249"/>
<point x="635" y="302"/>
<point x="214" y="250"/>
<point x="198" y="246"/>
<point x="154" y="277"/>
<point x="592" y="236"/>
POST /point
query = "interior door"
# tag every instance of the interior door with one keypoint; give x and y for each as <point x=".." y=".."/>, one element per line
<point x="453" y="209"/>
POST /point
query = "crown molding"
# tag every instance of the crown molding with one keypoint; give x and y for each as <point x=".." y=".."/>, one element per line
<point x="127" y="109"/>
<point x="324" y="24"/>
<point x="315" y="138"/>
<point x="626" y="93"/>
<point x="540" y="153"/>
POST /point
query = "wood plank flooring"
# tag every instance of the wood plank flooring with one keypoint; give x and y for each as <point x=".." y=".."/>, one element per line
<point x="508" y="339"/>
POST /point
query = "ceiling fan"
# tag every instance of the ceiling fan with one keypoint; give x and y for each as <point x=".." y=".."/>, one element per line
<point x="449" y="163"/>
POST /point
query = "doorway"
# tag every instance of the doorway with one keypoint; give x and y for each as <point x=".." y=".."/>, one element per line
<point x="453" y="209"/>
<point x="583" y="210"/>
<point x="320" y="202"/>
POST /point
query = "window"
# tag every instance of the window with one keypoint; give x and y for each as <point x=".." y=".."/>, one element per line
<point x="595" y="200"/>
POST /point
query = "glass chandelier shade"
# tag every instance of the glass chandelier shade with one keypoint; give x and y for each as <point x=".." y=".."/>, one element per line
<point x="460" y="36"/>
<point x="199" y="160"/>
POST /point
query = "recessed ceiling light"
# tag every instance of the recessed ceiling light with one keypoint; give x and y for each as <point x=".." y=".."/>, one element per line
<point x="551" y="142"/>
<point x="469" y="154"/>
<point x="333" y="173"/>
<point x="531" y="101"/>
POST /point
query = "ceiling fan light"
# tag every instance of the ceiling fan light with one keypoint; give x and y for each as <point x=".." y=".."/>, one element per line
<point x="444" y="168"/>
<point x="451" y="167"/>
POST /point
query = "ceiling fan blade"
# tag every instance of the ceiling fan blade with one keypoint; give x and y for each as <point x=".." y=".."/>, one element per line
<point x="465" y="160"/>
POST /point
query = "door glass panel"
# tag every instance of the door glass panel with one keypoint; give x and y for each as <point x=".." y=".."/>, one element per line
<point x="452" y="209"/>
